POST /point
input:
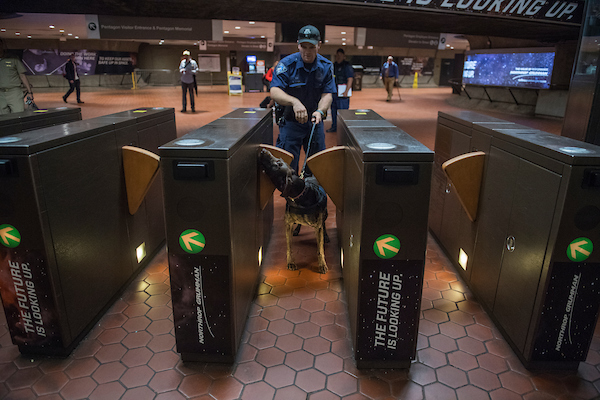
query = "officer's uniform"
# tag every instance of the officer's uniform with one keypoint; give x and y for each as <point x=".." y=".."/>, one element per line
<point x="11" y="93"/>
<point x="342" y="72"/>
<point x="293" y="77"/>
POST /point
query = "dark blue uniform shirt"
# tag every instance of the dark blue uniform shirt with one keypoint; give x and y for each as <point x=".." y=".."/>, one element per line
<point x="293" y="77"/>
<point x="343" y="71"/>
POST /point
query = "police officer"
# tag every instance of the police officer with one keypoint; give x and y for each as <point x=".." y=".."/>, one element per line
<point x="344" y="75"/>
<point x="303" y="82"/>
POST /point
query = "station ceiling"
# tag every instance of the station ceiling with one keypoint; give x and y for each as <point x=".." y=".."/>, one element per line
<point x="313" y="12"/>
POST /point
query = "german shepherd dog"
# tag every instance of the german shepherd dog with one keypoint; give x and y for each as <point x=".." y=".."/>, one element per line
<point x="306" y="203"/>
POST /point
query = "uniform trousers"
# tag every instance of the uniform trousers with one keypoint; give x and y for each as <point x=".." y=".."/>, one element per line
<point x="11" y="100"/>
<point x="339" y="103"/>
<point x="293" y="136"/>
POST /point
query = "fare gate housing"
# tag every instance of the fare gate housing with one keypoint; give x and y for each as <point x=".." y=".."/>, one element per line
<point x="27" y="120"/>
<point x="216" y="231"/>
<point x="529" y="255"/>
<point x="68" y="245"/>
<point x="382" y="232"/>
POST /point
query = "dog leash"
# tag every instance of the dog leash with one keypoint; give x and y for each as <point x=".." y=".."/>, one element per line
<point x="312" y="131"/>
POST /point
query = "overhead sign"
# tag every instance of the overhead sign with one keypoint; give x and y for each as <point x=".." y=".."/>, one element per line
<point x="391" y="38"/>
<point x="549" y="10"/>
<point x="237" y="44"/>
<point x="9" y="236"/>
<point x="113" y="27"/>
<point x="386" y="246"/>
<point x="192" y="241"/>
<point x="580" y="249"/>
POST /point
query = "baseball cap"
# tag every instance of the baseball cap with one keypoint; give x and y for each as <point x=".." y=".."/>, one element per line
<point x="309" y="34"/>
<point x="186" y="52"/>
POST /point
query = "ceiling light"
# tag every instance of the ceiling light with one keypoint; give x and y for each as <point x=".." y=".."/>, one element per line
<point x="263" y="36"/>
<point x="51" y="26"/>
<point x="452" y="48"/>
<point x="76" y="37"/>
<point x="326" y="41"/>
<point x="28" y="36"/>
<point x="225" y="31"/>
<point x="370" y="47"/>
<point x="238" y="27"/>
<point x="343" y="39"/>
<point x="160" y="42"/>
<point x="343" y="44"/>
<point x="343" y="33"/>
<point x="251" y="22"/>
<point x="69" y="34"/>
<point x="18" y="33"/>
<point x="62" y="31"/>
<point x="447" y="45"/>
<point x="2" y="30"/>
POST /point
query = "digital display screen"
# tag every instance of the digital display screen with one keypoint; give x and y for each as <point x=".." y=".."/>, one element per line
<point x="531" y="69"/>
<point x="251" y="59"/>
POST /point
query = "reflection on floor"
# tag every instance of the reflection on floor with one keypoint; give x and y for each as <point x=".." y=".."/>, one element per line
<point x="296" y="343"/>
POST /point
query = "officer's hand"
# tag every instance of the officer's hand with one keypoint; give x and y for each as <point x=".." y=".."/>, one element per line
<point x="316" y="117"/>
<point x="300" y="112"/>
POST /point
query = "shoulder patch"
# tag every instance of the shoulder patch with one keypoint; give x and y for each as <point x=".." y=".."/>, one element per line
<point x="281" y="68"/>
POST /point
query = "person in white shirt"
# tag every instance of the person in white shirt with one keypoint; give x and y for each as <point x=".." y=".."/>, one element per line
<point x="188" y="69"/>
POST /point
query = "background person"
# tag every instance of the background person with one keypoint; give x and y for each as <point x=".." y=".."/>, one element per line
<point x="73" y="78"/>
<point x="303" y="83"/>
<point x="344" y="75"/>
<point x="389" y="74"/>
<point x="12" y="74"/>
<point x="188" y="69"/>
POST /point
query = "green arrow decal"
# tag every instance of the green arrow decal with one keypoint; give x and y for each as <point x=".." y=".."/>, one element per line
<point x="192" y="241"/>
<point x="386" y="246"/>
<point x="9" y="236"/>
<point x="580" y="249"/>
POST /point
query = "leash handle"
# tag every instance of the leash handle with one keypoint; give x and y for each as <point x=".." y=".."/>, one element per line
<point x="312" y="131"/>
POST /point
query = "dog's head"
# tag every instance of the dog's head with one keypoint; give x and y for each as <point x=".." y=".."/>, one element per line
<point x="285" y="179"/>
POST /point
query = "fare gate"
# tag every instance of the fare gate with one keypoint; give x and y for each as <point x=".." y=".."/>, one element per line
<point x="531" y="259"/>
<point x="68" y="244"/>
<point x="382" y="232"/>
<point x="216" y="231"/>
<point x="27" y="120"/>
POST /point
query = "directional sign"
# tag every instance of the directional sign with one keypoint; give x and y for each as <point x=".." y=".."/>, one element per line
<point x="192" y="241"/>
<point x="386" y="246"/>
<point x="9" y="236"/>
<point x="580" y="249"/>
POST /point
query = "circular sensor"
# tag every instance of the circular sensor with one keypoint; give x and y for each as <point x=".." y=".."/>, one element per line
<point x="587" y="218"/>
<point x="189" y="142"/>
<point x="381" y="146"/>
<point x="9" y="139"/>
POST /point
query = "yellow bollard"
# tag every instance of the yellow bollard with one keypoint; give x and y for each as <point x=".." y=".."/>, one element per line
<point x="416" y="81"/>
<point x="133" y="80"/>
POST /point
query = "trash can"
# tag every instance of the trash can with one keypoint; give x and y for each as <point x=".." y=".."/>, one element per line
<point x="27" y="120"/>
<point x="68" y="244"/>
<point x="383" y="236"/>
<point x="358" y="75"/>
<point x="215" y="231"/>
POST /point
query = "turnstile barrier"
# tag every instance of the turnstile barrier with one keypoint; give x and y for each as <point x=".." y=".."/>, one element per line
<point x="68" y="244"/>
<point x="530" y="257"/>
<point x="382" y="231"/>
<point x="27" y="120"/>
<point x="216" y="230"/>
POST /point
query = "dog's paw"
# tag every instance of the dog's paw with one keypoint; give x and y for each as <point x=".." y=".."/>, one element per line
<point x="323" y="269"/>
<point x="292" y="267"/>
<point x="296" y="230"/>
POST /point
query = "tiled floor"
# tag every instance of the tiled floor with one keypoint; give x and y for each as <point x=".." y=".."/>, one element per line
<point x="296" y="344"/>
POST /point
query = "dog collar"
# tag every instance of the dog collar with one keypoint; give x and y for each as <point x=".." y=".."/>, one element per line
<point x="301" y="193"/>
